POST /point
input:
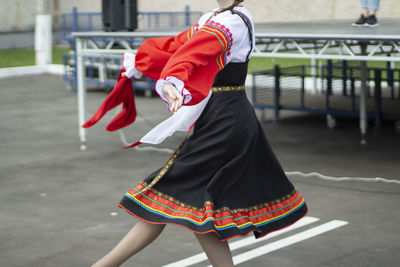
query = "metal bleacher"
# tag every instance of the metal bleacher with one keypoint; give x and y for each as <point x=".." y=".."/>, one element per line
<point x="330" y="89"/>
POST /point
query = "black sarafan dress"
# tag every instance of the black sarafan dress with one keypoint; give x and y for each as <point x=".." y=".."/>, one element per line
<point x="224" y="178"/>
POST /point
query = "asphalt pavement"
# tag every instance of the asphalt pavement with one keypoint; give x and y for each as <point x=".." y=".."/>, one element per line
<point x="59" y="203"/>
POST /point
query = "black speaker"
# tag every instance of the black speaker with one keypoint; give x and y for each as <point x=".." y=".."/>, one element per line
<point x="119" y="15"/>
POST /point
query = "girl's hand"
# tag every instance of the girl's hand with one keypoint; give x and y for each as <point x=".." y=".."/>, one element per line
<point x="123" y="74"/>
<point x="174" y="98"/>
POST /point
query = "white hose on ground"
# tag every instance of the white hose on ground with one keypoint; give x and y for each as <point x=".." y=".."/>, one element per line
<point x="341" y="179"/>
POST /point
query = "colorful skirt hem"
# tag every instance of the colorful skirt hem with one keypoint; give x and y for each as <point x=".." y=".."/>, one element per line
<point x="157" y="208"/>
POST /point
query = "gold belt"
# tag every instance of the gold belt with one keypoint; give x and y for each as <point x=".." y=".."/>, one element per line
<point x="228" y="88"/>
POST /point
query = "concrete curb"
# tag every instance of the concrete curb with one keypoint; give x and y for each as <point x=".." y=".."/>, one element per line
<point x="55" y="69"/>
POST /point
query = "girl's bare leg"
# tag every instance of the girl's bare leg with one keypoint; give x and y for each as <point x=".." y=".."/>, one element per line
<point x="218" y="252"/>
<point x="135" y="240"/>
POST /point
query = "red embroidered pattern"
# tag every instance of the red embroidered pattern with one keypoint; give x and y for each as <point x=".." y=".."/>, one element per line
<point x="193" y="30"/>
<point x="224" y="30"/>
<point x="224" y="218"/>
<point x="224" y="36"/>
<point x="142" y="188"/>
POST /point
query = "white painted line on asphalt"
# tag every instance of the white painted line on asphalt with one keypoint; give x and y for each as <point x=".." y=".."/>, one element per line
<point x="251" y="240"/>
<point x="188" y="261"/>
<point x="260" y="251"/>
<point x="244" y="242"/>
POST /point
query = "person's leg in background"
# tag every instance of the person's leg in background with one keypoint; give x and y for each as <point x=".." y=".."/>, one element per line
<point x="364" y="8"/>
<point x="373" y="7"/>
<point x="368" y="13"/>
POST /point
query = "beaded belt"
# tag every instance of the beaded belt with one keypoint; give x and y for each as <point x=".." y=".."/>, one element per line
<point x="228" y="88"/>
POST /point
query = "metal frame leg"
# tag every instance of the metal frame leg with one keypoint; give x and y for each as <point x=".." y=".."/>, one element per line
<point x="363" y="97"/>
<point x="314" y="74"/>
<point x="81" y="88"/>
<point x="277" y="92"/>
<point x="263" y="115"/>
<point x="378" y="100"/>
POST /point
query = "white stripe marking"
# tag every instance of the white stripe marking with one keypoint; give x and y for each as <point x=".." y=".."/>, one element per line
<point x="244" y="242"/>
<point x="260" y="251"/>
<point x="251" y="240"/>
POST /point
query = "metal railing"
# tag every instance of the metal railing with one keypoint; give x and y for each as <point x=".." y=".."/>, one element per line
<point x="337" y="91"/>
<point x="147" y="21"/>
<point x="102" y="70"/>
<point x="384" y="48"/>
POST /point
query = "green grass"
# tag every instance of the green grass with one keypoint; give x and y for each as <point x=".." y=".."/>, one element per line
<point x="58" y="53"/>
<point x="16" y="57"/>
<point x="258" y="63"/>
<point x="26" y="57"/>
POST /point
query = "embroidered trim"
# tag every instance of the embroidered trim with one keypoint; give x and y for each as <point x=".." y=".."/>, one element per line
<point x="224" y="30"/>
<point x="249" y="27"/>
<point x="193" y="30"/>
<point x="162" y="172"/>
<point x="245" y="19"/>
<point x="224" y="36"/>
<point x="141" y="187"/>
<point x="224" y="218"/>
<point x="228" y="88"/>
